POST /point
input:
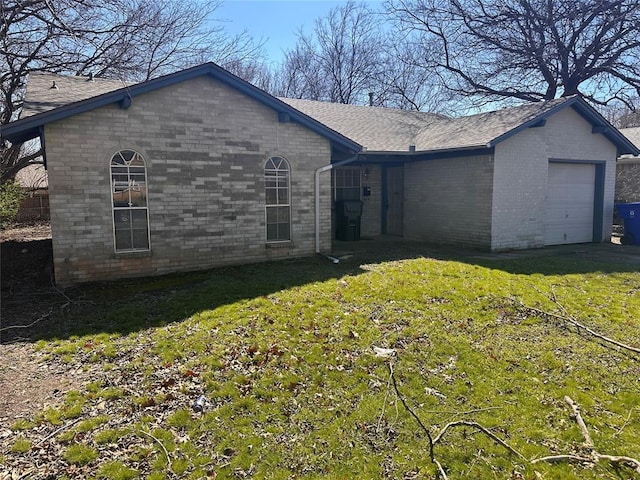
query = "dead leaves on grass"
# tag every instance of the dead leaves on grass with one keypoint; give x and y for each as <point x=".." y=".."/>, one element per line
<point x="590" y="457"/>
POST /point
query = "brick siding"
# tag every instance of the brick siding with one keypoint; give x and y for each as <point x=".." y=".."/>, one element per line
<point x="520" y="178"/>
<point x="448" y="201"/>
<point x="205" y="145"/>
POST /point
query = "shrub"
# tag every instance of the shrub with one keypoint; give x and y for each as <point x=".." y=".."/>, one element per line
<point x="11" y="195"/>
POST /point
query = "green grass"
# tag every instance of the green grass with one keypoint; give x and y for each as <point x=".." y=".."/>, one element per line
<point x="80" y="454"/>
<point x="283" y="354"/>
<point x="21" y="445"/>
<point x="116" y="471"/>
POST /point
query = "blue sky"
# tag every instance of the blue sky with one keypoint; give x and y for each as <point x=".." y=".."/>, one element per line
<point x="275" y="21"/>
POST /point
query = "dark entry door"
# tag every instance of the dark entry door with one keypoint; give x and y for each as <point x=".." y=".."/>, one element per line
<point x="394" y="200"/>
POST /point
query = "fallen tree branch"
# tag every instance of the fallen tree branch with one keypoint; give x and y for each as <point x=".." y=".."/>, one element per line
<point x="588" y="441"/>
<point x="622" y="460"/>
<point x="57" y="431"/>
<point x="13" y="327"/>
<point x="413" y="414"/>
<point x="433" y="440"/>
<point x="579" y="325"/>
<point x="562" y="458"/>
<point x="594" y="455"/>
<point x="626" y="422"/>
<point x="464" y="412"/>
<point x="164" y="449"/>
<point x="384" y="404"/>
<point x="477" y="426"/>
<point x="390" y="354"/>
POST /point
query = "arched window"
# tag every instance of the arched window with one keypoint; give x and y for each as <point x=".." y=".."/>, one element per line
<point x="129" y="194"/>
<point x="278" y="206"/>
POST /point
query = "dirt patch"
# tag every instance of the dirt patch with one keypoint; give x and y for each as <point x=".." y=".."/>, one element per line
<point x="26" y="257"/>
<point x="28" y="381"/>
<point x="26" y="279"/>
<point x="26" y="232"/>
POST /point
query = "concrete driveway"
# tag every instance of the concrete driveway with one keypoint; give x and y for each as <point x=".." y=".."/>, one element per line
<point x="395" y="248"/>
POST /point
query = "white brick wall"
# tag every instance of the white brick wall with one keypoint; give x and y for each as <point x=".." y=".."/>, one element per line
<point x="520" y="177"/>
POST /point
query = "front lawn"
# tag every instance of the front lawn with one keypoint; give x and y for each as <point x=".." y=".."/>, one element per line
<point x="284" y="357"/>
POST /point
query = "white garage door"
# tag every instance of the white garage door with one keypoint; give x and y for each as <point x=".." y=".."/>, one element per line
<point x="569" y="203"/>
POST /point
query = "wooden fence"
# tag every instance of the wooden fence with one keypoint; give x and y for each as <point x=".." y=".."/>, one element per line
<point x="35" y="206"/>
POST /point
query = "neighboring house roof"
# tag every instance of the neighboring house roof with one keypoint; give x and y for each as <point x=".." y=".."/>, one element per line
<point x="632" y="133"/>
<point x="47" y="91"/>
<point x="375" y="129"/>
<point x="71" y="103"/>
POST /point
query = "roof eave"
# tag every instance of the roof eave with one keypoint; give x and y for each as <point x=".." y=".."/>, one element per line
<point x="622" y="143"/>
<point x="532" y="122"/>
<point x="28" y="128"/>
<point x="409" y="153"/>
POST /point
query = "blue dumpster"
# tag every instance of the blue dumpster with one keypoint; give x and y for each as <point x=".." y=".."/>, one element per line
<point x="630" y="213"/>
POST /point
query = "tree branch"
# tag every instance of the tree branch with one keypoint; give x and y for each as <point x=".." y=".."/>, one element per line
<point x="477" y="426"/>
<point x="594" y="456"/>
<point x="581" y="326"/>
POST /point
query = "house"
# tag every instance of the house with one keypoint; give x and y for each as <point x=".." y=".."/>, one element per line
<point x="199" y="169"/>
<point x="35" y="203"/>
<point x="628" y="171"/>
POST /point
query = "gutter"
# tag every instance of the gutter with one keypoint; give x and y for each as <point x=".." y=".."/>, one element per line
<point x="319" y="171"/>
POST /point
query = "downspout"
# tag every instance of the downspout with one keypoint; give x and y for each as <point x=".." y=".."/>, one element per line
<point x="320" y="170"/>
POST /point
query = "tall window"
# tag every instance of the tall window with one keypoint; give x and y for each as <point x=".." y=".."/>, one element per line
<point x="278" y="206"/>
<point x="129" y="193"/>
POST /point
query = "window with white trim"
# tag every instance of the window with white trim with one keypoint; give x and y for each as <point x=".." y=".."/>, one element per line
<point x="277" y="195"/>
<point x="129" y="196"/>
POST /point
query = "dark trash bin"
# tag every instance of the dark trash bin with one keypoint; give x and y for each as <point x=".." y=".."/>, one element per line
<point x="348" y="214"/>
<point x="630" y="213"/>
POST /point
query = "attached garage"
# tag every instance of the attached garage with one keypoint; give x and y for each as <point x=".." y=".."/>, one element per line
<point x="525" y="177"/>
<point x="570" y="211"/>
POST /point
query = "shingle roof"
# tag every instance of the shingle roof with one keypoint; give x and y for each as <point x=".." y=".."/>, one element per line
<point x="376" y="129"/>
<point x="390" y="130"/>
<point x="633" y="134"/>
<point x="484" y="129"/>
<point x="42" y="96"/>
<point x="45" y="104"/>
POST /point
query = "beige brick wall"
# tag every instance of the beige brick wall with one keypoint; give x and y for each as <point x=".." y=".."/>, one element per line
<point x="205" y="145"/>
<point x="448" y="201"/>
<point x="520" y="177"/>
<point x="372" y="205"/>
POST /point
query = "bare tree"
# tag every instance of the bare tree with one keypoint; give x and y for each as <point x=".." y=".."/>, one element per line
<point x="403" y="81"/>
<point x="127" y="39"/>
<point x="349" y="55"/>
<point x="529" y="49"/>
<point x="339" y="61"/>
